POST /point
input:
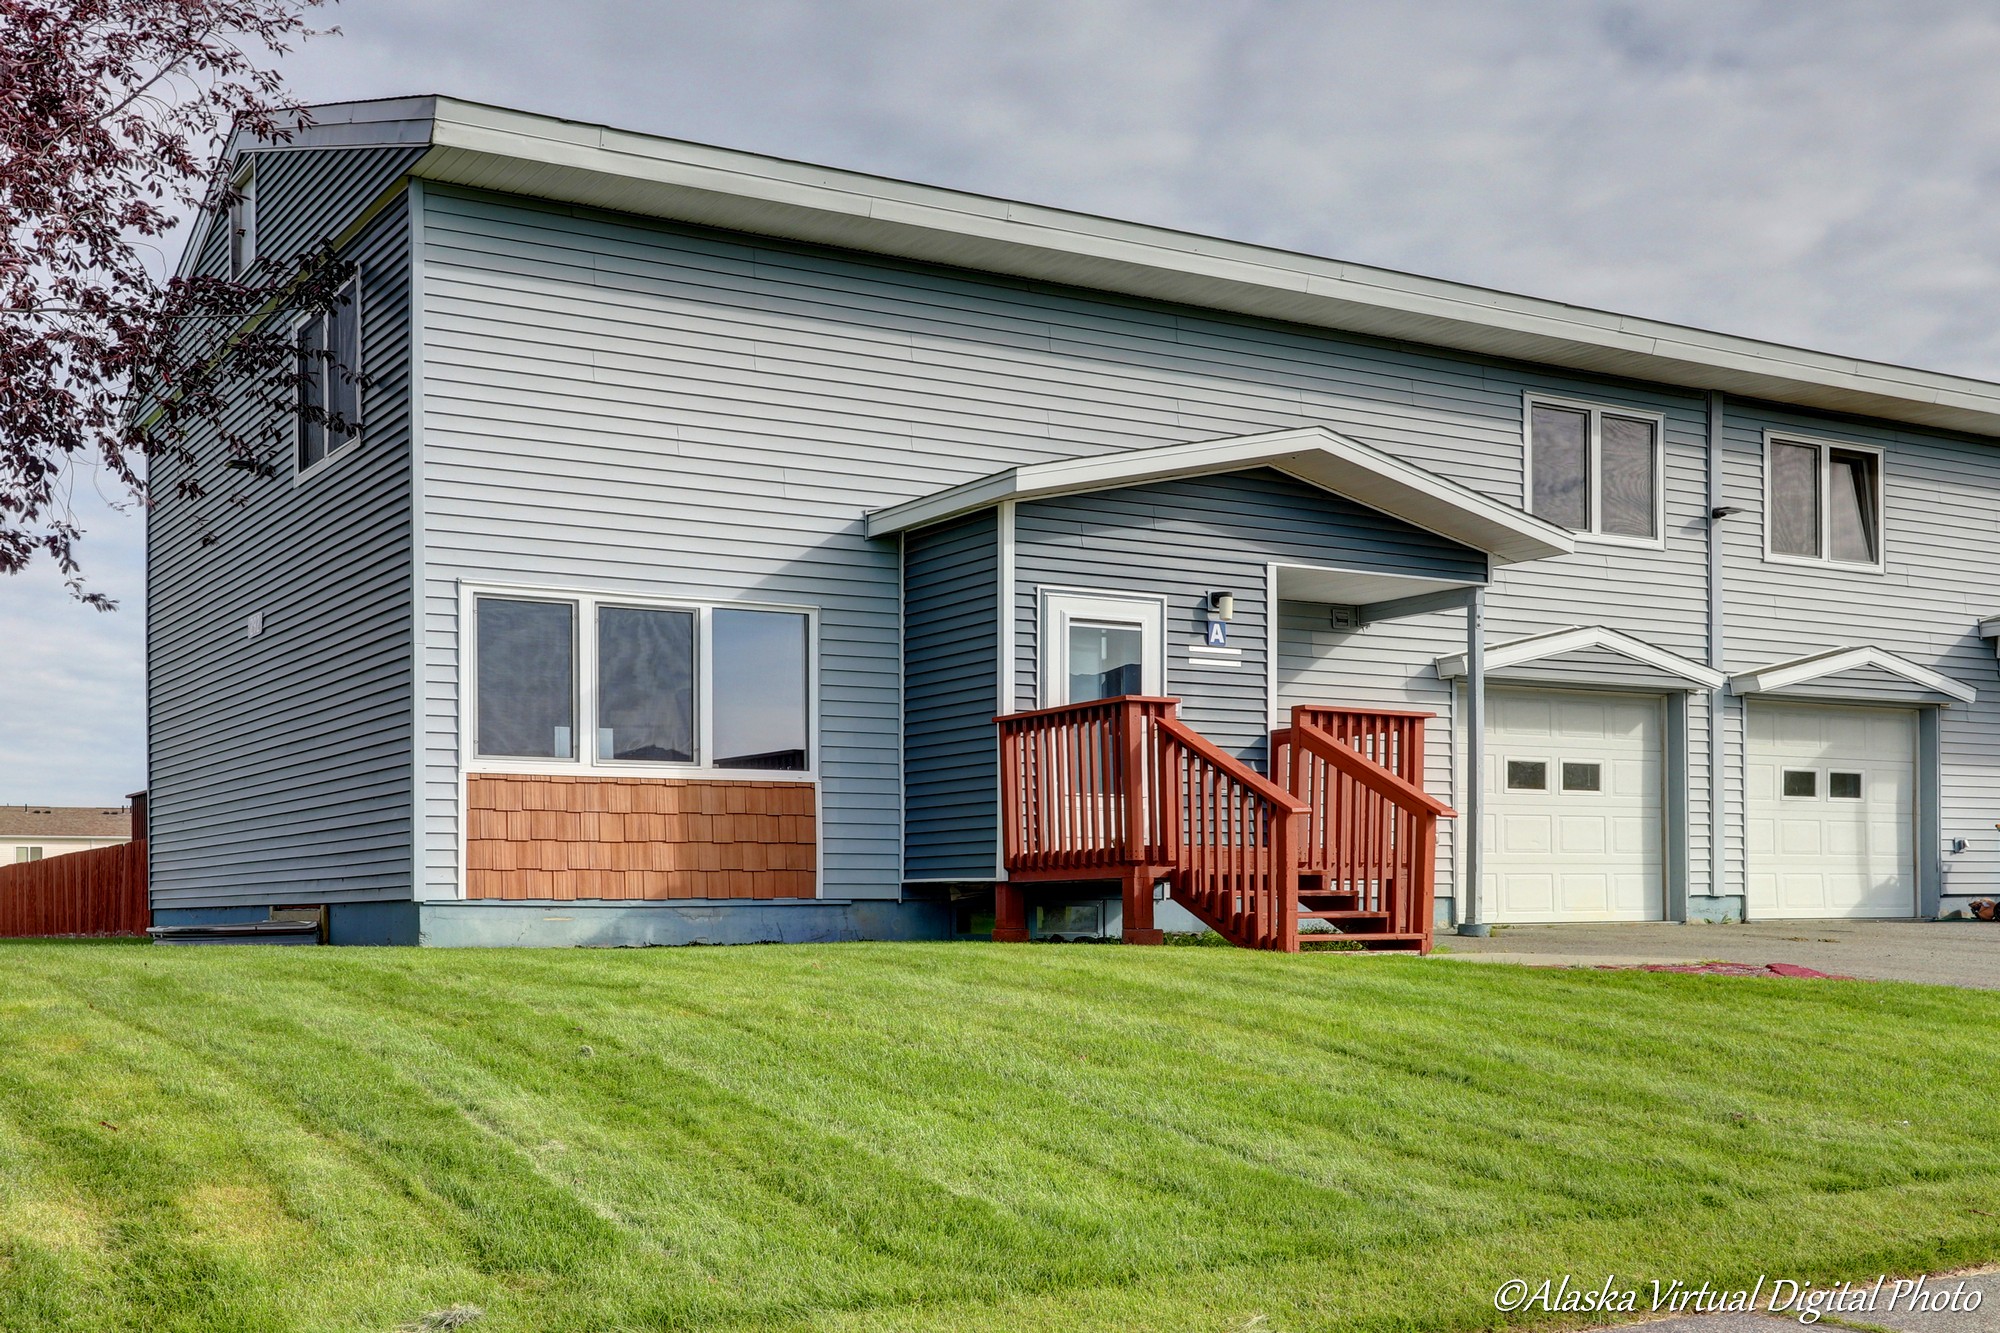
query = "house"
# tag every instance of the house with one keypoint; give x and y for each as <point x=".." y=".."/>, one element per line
<point x="37" y="832"/>
<point x="706" y="509"/>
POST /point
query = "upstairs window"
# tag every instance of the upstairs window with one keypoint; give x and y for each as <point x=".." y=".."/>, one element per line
<point x="1822" y="503"/>
<point x="329" y="368"/>
<point x="242" y="221"/>
<point x="703" y="687"/>
<point x="1596" y="470"/>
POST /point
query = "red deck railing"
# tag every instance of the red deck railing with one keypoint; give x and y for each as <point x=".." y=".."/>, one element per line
<point x="1121" y="788"/>
<point x="98" y="892"/>
<point x="1370" y="835"/>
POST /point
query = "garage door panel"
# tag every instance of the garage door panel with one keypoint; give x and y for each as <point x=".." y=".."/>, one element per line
<point x="1595" y="849"/>
<point x="1830" y="851"/>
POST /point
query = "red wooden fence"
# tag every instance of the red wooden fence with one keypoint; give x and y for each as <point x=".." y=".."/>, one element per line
<point x="98" y="892"/>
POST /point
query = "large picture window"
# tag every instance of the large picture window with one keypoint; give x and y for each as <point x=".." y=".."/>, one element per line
<point x="1595" y="470"/>
<point x="1822" y="502"/>
<point x="702" y="687"/>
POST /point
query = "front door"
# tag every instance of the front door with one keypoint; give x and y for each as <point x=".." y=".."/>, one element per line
<point x="1100" y="645"/>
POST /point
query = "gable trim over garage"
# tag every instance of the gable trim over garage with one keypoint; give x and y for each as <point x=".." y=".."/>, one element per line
<point x="1576" y="638"/>
<point x="1818" y="666"/>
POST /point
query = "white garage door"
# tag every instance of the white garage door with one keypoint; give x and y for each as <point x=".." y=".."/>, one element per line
<point x="1832" y="811"/>
<point x="1575" y="824"/>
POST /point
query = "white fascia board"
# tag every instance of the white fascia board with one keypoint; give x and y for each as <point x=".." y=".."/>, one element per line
<point x="1817" y="666"/>
<point x="493" y="148"/>
<point x="1313" y="454"/>
<point x="1577" y="638"/>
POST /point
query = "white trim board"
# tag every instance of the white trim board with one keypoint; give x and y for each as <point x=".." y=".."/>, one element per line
<point x="1817" y="666"/>
<point x="1577" y="638"/>
<point x="1312" y="454"/>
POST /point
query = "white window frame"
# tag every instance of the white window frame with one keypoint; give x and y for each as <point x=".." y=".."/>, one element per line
<point x="1826" y="447"/>
<point x="241" y="217"/>
<point x="300" y="475"/>
<point x="1056" y="607"/>
<point x="1593" y="499"/>
<point x="585" y="605"/>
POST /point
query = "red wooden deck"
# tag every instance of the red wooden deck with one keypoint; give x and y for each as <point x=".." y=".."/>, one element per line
<point x="1342" y="833"/>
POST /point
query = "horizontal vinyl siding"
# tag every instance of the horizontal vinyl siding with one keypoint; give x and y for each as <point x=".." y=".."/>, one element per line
<point x="1942" y="576"/>
<point x="951" y="656"/>
<point x="1181" y="539"/>
<point x="280" y="765"/>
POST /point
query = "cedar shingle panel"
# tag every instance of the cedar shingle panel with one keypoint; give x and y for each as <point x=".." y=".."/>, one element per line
<point x="566" y="838"/>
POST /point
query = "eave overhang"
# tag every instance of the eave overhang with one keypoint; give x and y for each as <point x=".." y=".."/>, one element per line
<point x="1312" y="454"/>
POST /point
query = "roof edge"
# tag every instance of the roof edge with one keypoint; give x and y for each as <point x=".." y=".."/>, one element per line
<point x="1817" y="666"/>
<point x="600" y="166"/>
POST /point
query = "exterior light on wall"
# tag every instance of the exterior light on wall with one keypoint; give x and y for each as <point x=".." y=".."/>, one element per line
<point x="1724" y="511"/>
<point x="1221" y="606"/>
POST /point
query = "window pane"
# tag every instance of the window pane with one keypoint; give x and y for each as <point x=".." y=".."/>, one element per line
<point x="1794" y="516"/>
<point x="761" y="713"/>
<point x="1527" y="775"/>
<point x="1626" y="458"/>
<point x="1560" y="461"/>
<point x="1801" y="782"/>
<point x="645" y="685"/>
<point x="1844" y="786"/>
<point x="311" y="340"/>
<point x="1854" y="507"/>
<point x="526" y="678"/>
<point x="343" y="393"/>
<point x="1583" y="777"/>
<point x="1104" y="661"/>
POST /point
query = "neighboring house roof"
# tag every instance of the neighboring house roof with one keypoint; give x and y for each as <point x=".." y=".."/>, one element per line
<point x="597" y="166"/>
<point x="1313" y="454"/>
<point x="1818" y="666"/>
<point x="64" y="821"/>
<point x="1578" y="638"/>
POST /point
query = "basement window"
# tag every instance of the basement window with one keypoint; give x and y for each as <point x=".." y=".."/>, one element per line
<point x="1596" y="470"/>
<point x="663" y="685"/>
<point x="1822" y="503"/>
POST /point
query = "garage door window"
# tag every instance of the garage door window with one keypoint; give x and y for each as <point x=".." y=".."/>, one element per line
<point x="1844" y="786"/>
<point x="1801" y="783"/>
<point x="1527" y="775"/>
<point x="1583" y="777"/>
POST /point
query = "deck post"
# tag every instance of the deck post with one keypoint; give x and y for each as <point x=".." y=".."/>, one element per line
<point x="1139" y="907"/>
<point x="1010" y="914"/>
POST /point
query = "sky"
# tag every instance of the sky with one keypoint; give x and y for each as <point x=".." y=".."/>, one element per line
<point x="1822" y="174"/>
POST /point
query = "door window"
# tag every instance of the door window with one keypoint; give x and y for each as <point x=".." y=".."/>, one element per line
<point x="1105" y="660"/>
<point x="1099" y="646"/>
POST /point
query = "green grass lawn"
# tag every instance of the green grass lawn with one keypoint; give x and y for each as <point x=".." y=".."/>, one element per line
<point x="945" y="1137"/>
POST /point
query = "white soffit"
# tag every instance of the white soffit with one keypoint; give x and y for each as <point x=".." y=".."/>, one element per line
<point x="1578" y="638"/>
<point x="1353" y="587"/>
<point x="1817" y="666"/>
<point x="1313" y="454"/>
<point x="596" y="166"/>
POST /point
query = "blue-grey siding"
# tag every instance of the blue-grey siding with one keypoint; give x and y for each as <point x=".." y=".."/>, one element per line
<point x="280" y="765"/>
<point x="951" y="657"/>
<point x="1182" y="539"/>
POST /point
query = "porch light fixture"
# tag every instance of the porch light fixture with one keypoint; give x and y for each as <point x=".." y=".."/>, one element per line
<point x="1221" y="605"/>
<point x="1726" y="511"/>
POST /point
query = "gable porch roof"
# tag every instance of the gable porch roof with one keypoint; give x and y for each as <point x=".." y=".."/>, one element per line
<point x="1312" y="454"/>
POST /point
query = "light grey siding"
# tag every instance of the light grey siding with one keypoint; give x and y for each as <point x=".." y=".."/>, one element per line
<point x="951" y="656"/>
<point x="1181" y="539"/>
<point x="280" y="764"/>
<point x="1942" y="575"/>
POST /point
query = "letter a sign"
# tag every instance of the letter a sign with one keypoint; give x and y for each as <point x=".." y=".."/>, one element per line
<point x="1218" y="634"/>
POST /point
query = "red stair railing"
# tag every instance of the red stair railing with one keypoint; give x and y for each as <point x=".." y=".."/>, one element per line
<point x="1121" y="788"/>
<point x="1370" y="831"/>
